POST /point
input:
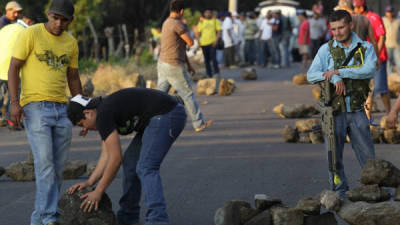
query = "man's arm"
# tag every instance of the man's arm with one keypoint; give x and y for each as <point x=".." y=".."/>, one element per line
<point x="319" y="66"/>
<point x="381" y="43"/>
<point x="366" y="71"/>
<point x="188" y="40"/>
<point x="13" y="84"/>
<point x="74" y="82"/>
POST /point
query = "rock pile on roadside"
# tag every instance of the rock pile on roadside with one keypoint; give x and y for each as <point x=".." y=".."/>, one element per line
<point x="295" y="111"/>
<point x="249" y="74"/>
<point x="209" y="87"/>
<point x="368" y="204"/>
<point x="303" y="132"/>
<point x="300" y="79"/>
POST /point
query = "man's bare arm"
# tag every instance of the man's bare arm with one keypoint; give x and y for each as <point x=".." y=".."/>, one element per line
<point x="188" y="40"/>
<point x="74" y="82"/>
<point x="13" y="84"/>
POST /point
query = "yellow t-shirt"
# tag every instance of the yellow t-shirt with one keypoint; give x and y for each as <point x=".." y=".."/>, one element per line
<point x="47" y="57"/>
<point x="208" y="30"/>
<point x="156" y="34"/>
<point x="8" y="37"/>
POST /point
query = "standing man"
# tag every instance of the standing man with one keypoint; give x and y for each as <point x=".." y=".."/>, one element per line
<point x="171" y="64"/>
<point x="228" y="35"/>
<point x="380" y="77"/>
<point x="392" y="26"/>
<point x="304" y="39"/>
<point x="318" y="31"/>
<point x="209" y="30"/>
<point x="8" y="37"/>
<point x="349" y="89"/>
<point x="250" y="32"/>
<point x="47" y="58"/>
<point x="265" y="42"/>
<point x="12" y="12"/>
<point x="277" y="31"/>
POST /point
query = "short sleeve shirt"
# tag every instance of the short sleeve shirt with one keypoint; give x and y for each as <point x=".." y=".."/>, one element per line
<point x="47" y="57"/>
<point x="379" y="30"/>
<point x="131" y="108"/>
<point x="173" y="47"/>
<point x="392" y="32"/>
<point x="304" y="33"/>
<point x="208" y="30"/>
<point x="227" y="25"/>
<point x="266" y="28"/>
<point x="8" y="37"/>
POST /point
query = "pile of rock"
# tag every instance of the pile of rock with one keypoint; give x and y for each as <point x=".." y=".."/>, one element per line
<point x="303" y="132"/>
<point x="300" y="79"/>
<point x="25" y="171"/>
<point x="270" y="211"/>
<point x="295" y="111"/>
<point x="209" y="87"/>
<point x="366" y="205"/>
<point x="394" y="84"/>
<point x="249" y="74"/>
<point x="2" y="171"/>
<point x="71" y="214"/>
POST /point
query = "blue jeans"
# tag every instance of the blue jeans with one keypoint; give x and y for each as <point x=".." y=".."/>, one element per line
<point x="49" y="132"/>
<point x="393" y="59"/>
<point x="264" y="51"/>
<point x="249" y="51"/>
<point x="284" y="50"/>
<point x="177" y="77"/>
<point x="274" y="49"/>
<point x="210" y="55"/>
<point x="141" y="168"/>
<point x="380" y="80"/>
<point x="355" y="125"/>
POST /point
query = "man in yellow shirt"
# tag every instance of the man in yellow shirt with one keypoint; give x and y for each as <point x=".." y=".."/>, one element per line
<point x="8" y="37"/>
<point x="47" y="58"/>
<point x="209" y="30"/>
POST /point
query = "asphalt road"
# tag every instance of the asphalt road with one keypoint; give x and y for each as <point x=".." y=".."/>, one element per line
<point x="240" y="155"/>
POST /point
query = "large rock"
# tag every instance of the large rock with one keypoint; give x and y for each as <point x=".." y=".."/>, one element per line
<point x="198" y="76"/>
<point x="229" y="214"/>
<point x="287" y="216"/>
<point x="2" y="171"/>
<point x="316" y="138"/>
<point x="247" y="214"/>
<point x="21" y="171"/>
<point x="300" y="79"/>
<point x="290" y="134"/>
<point x="30" y="159"/>
<point x="207" y="86"/>
<point x="226" y="87"/>
<point x="316" y="93"/>
<point x="363" y="213"/>
<point x="330" y="200"/>
<point x="309" y="206"/>
<point x="74" y="170"/>
<point x="391" y="136"/>
<point x="263" y="218"/>
<point x="249" y="74"/>
<point x="137" y="80"/>
<point x="394" y="83"/>
<point x="71" y="214"/>
<point x="397" y="194"/>
<point x="295" y="111"/>
<point x="305" y="139"/>
<point x="151" y="84"/>
<point x="305" y="126"/>
<point x="368" y="193"/>
<point x="264" y="202"/>
<point x="380" y="172"/>
<point x="376" y="134"/>
<point x="88" y="87"/>
<point x="327" y="218"/>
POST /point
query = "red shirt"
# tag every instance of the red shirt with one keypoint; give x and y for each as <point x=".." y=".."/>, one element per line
<point x="304" y="33"/>
<point x="379" y="30"/>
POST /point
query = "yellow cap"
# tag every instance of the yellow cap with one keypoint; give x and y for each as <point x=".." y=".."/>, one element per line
<point x="13" y="5"/>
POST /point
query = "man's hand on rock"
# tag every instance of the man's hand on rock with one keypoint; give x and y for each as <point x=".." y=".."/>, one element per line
<point x="78" y="186"/>
<point x="391" y="120"/>
<point x="91" y="201"/>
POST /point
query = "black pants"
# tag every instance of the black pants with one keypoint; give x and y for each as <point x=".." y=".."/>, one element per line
<point x="229" y="56"/>
<point x="315" y="45"/>
<point x="210" y="56"/>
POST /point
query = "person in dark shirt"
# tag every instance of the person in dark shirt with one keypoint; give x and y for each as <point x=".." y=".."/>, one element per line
<point x="158" y="119"/>
<point x="12" y="12"/>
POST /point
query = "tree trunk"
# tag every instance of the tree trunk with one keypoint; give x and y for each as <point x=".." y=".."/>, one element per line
<point x="96" y="46"/>
<point x="126" y="39"/>
<point x="108" y="32"/>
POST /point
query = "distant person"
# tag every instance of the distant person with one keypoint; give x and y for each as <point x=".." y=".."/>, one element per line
<point x="285" y="41"/>
<point x="250" y="32"/>
<point x="209" y="31"/>
<point x="265" y="42"/>
<point x="47" y="57"/>
<point x="157" y="120"/>
<point x="228" y="35"/>
<point x="304" y="39"/>
<point x="12" y="11"/>
<point x="392" y="26"/>
<point x="171" y="67"/>
<point x="349" y="88"/>
<point x="380" y="78"/>
<point x="277" y="32"/>
<point x="155" y="41"/>
<point x="8" y="37"/>
<point x="240" y="35"/>
<point x="318" y="30"/>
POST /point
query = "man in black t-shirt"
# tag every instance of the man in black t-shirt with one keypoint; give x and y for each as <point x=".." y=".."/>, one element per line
<point x="158" y="119"/>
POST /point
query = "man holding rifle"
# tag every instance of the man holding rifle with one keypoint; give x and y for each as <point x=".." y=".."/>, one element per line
<point x="343" y="68"/>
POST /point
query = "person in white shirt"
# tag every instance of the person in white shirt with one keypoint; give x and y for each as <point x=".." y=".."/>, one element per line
<point x="265" y="40"/>
<point x="228" y="36"/>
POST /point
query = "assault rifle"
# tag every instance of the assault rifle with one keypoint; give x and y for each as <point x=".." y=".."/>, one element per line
<point x="328" y="128"/>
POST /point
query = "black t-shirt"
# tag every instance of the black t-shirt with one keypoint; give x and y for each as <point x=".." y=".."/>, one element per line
<point x="131" y="109"/>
